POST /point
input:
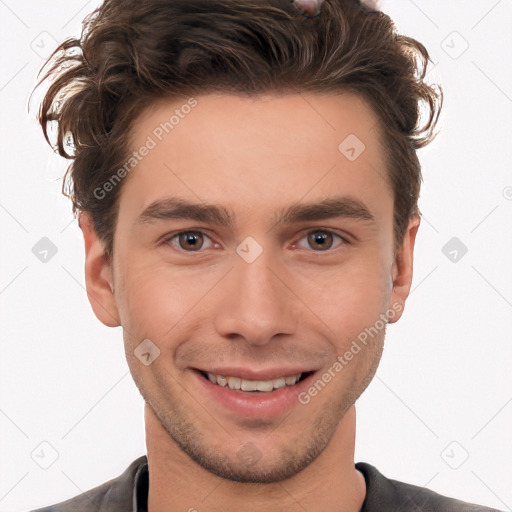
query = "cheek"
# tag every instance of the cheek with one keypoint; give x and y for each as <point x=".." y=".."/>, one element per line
<point x="157" y="297"/>
<point x="350" y="299"/>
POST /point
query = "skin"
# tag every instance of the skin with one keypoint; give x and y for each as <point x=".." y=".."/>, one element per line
<point x="296" y="302"/>
<point x="309" y="8"/>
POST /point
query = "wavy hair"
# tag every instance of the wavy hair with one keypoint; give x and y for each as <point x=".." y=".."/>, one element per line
<point x="133" y="52"/>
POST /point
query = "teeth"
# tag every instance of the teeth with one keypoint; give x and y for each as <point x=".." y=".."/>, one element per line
<point x="257" y="385"/>
<point x="234" y="383"/>
<point x="279" y="383"/>
<point x="253" y="385"/>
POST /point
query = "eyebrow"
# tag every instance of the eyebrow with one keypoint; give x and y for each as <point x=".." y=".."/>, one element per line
<point x="174" y="208"/>
<point x="334" y="207"/>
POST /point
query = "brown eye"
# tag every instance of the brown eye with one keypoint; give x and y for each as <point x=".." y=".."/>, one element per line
<point x="191" y="240"/>
<point x="320" y="240"/>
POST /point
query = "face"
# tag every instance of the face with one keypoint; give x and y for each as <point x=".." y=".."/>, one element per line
<point x="254" y="241"/>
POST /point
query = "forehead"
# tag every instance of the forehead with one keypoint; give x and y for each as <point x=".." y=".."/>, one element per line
<point x="328" y="117"/>
<point x="256" y="152"/>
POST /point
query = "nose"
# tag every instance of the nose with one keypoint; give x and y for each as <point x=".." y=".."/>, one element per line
<point x="257" y="302"/>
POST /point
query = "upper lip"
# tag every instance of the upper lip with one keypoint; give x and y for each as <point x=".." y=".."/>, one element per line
<point x="253" y="374"/>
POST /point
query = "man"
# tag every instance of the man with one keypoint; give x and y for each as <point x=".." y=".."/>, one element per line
<point x="246" y="181"/>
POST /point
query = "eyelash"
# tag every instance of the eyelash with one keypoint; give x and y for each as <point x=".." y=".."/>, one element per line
<point x="169" y="239"/>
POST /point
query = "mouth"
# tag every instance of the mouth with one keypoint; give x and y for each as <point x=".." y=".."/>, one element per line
<point x="249" y="394"/>
<point x="252" y="386"/>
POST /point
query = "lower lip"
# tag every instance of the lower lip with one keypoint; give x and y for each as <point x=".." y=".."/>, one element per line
<point x="261" y="405"/>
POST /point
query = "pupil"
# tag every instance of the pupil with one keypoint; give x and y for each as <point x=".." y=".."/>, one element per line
<point x="321" y="239"/>
<point x="191" y="240"/>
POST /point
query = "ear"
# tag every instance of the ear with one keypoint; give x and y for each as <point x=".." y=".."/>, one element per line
<point x="98" y="275"/>
<point x="402" y="269"/>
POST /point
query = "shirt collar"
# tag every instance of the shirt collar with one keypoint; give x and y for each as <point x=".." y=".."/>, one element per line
<point x="129" y="491"/>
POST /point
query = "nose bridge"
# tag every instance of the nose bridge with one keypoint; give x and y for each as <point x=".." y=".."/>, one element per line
<point x="256" y="304"/>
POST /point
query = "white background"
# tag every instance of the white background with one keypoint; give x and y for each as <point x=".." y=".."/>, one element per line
<point x="443" y="390"/>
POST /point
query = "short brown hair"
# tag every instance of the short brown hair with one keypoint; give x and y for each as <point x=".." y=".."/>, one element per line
<point x="133" y="52"/>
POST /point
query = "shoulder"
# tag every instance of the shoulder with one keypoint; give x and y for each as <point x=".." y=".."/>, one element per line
<point x="88" y="501"/>
<point x="384" y="494"/>
<point x="113" y="495"/>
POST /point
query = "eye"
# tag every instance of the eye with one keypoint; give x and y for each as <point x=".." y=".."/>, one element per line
<point x="321" y="240"/>
<point x="189" y="241"/>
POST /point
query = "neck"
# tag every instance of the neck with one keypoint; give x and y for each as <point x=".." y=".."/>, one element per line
<point x="329" y="483"/>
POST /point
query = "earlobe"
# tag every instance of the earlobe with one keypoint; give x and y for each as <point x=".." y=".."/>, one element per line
<point x="402" y="271"/>
<point x="98" y="275"/>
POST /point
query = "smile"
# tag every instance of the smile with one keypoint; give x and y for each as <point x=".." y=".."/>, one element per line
<point x="266" y="397"/>
<point x="266" y="386"/>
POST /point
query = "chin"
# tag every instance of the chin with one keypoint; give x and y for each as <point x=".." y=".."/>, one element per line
<point x="260" y="472"/>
